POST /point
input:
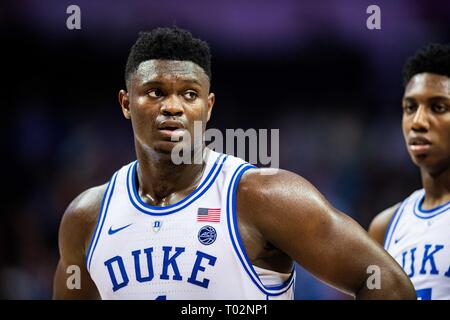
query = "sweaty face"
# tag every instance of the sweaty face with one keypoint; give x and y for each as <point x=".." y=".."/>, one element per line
<point x="165" y="97"/>
<point x="426" y="121"/>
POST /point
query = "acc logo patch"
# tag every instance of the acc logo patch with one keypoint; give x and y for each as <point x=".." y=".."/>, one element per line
<point x="207" y="235"/>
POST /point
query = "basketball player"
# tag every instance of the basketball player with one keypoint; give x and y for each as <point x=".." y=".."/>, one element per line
<point x="218" y="229"/>
<point x="416" y="232"/>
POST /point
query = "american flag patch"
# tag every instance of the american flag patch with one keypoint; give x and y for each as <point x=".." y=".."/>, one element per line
<point x="208" y="215"/>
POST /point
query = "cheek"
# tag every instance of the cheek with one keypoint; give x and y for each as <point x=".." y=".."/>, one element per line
<point x="405" y="126"/>
<point x="196" y="117"/>
<point x="443" y="127"/>
<point x="143" y="117"/>
<point x="446" y="136"/>
<point x="140" y="105"/>
<point x="198" y="112"/>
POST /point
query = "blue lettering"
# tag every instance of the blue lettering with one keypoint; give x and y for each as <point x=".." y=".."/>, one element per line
<point x="146" y="273"/>
<point x="108" y="264"/>
<point x="171" y="261"/>
<point x="403" y="259"/>
<point x="137" y="265"/>
<point x="411" y="274"/>
<point x="429" y="257"/>
<point x="447" y="274"/>
<point x="198" y="267"/>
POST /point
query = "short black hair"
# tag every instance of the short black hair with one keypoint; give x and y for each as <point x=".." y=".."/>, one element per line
<point x="434" y="58"/>
<point x="169" y="43"/>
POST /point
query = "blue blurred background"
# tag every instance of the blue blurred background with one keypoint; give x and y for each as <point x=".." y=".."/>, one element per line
<point x="310" y="68"/>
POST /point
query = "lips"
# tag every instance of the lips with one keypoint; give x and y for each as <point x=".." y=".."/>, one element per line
<point x="171" y="129"/>
<point x="418" y="141"/>
<point x="419" y="145"/>
<point x="170" y="125"/>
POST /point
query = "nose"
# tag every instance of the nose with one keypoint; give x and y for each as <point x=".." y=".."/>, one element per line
<point x="420" y="120"/>
<point x="172" y="106"/>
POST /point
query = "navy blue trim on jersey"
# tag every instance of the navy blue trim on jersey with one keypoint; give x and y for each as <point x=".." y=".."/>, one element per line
<point x="101" y="217"/>
<point x="390" y="224"/>
<point x="237" y="242"/>
<point x="137" y="202"/>
<point x="391" y="230"/>
<point x="430" y="213"/>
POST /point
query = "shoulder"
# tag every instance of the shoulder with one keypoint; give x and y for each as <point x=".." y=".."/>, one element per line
<point x="260" y="184"/>
<point x="380" y="223"/>
<point x="268" y="197"/>
<point x="85" y="207"/>
<point x="79" y="220"/>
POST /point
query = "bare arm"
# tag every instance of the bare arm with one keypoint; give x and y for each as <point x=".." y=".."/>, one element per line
<point x="75" y="232"/>
<point x="380" y="224"/>
<point x="293" y="216"/>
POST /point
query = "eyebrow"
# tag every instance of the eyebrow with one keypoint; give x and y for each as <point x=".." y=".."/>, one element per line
<point x="431" y="99"/>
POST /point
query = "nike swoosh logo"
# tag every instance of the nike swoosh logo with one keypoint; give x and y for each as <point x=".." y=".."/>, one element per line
<point x="400" y="238"/>
<point x="111" y="231"/>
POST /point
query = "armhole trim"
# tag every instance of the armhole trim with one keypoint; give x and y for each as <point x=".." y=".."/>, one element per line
<point x="100" y="220"/>
<point x="237" y="242"/>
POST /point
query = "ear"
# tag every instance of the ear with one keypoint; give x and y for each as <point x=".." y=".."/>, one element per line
<point x="125" y="103"/>
<point x="211" y="100"/>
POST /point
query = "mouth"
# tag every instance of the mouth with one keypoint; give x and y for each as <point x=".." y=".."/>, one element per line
<point x="170" y="125"/>
<point x="419" y="145"/>
<point x="171" y="128"/>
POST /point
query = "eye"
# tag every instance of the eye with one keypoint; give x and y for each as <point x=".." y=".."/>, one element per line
<point x="409" y="107"/>
<point x="190" y="95"/>
<point x="155" y="93"/>
<point x="438" y="108"/>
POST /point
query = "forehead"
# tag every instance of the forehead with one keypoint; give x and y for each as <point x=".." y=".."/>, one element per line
<point x="428" y="83"/>
<point x="169" y="70"/>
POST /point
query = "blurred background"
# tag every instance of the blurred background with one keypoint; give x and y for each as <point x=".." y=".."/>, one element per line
<point x="309" y="68"/>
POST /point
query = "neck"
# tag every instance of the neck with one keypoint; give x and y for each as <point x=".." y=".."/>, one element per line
<point x="161" y="182"/>
<point x="437" y="188"/>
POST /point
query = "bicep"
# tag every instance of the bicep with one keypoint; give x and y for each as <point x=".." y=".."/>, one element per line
<point x="72" y="280"/>
<point x="326" y="242"/>
<point x="330" y="245"/>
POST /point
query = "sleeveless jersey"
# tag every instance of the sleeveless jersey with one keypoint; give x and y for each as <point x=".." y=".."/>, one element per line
<point x="420" y="242"/>
<point x="188" y="250"/>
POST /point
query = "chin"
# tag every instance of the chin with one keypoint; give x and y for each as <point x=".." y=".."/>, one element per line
<point x="423" y="161"/>
<point x="420" y="160"/>
<point x="430" y="164"/>
<point x="165" y="148"/>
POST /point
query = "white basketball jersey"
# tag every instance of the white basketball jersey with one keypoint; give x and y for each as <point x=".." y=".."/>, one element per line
<point x="187" y="250"/>
<point x="420" y="242"/>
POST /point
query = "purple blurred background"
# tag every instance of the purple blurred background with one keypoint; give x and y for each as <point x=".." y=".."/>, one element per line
<point x="310" y="68"/>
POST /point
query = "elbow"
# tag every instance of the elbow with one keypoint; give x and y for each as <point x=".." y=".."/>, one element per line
<point x="394" y="285"/>
<point x="402" y="287"/>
